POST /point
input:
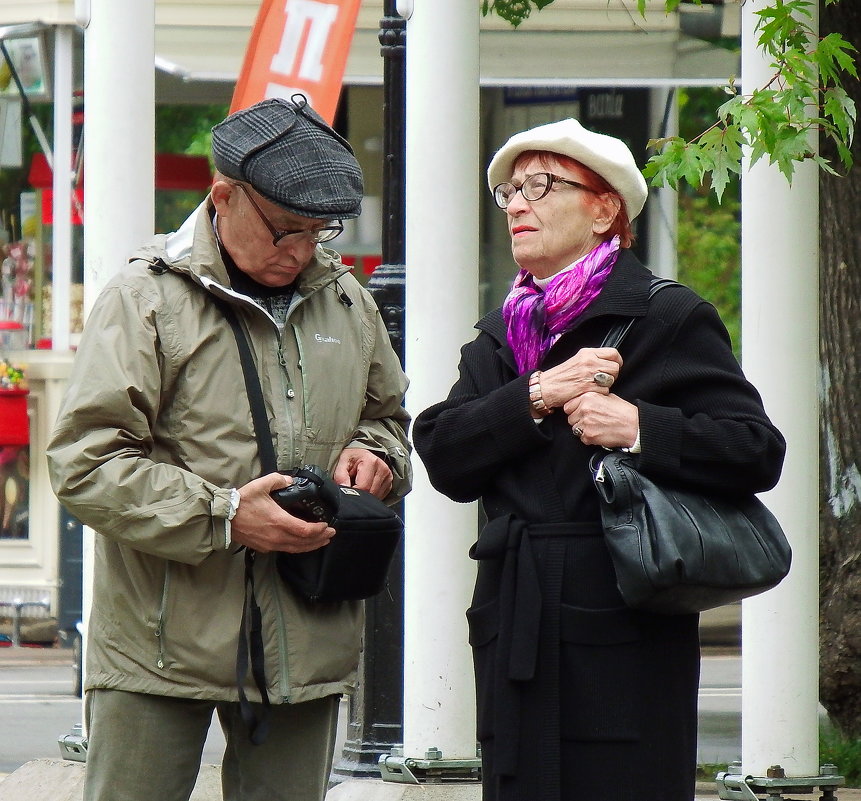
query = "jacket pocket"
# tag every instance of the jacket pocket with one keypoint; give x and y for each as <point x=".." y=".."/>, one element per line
<point x="483" y="622"/>
<point x="601" y="682"/>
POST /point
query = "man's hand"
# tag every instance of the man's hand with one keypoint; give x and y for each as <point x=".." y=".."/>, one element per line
<point x="362" y="469"/>
<point x="262" y="525"/>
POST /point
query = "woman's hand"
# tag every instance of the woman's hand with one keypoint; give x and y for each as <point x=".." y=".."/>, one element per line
<point x="605" y="420"/>
<point x="576" y="375"/>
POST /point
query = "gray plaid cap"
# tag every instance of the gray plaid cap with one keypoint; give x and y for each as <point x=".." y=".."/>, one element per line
<point x="291" y="156"/>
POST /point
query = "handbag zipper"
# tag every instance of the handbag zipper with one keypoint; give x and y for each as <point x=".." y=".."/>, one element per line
<point x="599" y="470"/>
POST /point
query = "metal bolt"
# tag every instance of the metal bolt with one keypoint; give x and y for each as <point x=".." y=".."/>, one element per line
<point x="776" y="772"/>
<point x="433" y="753"/>
<point x="828" y="769"/>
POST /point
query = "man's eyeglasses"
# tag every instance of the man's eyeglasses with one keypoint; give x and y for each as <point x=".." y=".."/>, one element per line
<point x="316" y="235"/>
<point x="533" y="188"/>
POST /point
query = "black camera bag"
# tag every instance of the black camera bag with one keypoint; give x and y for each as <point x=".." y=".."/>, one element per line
<point x="355" y="563"/>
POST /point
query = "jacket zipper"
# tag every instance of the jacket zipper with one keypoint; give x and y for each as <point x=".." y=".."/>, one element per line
<point x="162" y="613"/>
<point x="282" y="640"/>
<point x="301" y="363"/>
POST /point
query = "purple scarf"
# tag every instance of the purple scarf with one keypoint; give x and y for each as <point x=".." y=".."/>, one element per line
<point x="536" y="318"/>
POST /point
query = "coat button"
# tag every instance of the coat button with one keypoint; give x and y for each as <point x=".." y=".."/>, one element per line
<point x="291" y="394"/>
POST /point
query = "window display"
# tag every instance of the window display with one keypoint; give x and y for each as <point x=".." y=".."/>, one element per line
<point x="14" y="453"/>
<point x="16" y="286"/>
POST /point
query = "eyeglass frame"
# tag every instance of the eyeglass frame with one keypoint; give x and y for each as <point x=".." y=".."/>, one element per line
<point x="553" y="179"/>
<point x="277" y="235"/>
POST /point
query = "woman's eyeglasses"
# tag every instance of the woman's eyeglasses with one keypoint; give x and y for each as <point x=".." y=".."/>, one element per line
<point x="316" y="235"/>
<point x="533" y="188"/>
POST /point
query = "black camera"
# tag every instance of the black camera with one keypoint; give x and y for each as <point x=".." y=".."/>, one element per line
<point x="312" y="496"/>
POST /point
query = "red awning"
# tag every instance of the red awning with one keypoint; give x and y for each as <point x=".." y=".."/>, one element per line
<point x="172" y="171"/>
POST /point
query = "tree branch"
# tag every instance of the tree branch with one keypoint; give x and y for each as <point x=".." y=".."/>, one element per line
<point x="806" y="93"/>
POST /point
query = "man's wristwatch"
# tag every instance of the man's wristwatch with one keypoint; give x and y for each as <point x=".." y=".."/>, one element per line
<point x="235" y="497"/>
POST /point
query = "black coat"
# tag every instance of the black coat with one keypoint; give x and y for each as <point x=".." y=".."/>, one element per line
<point x="578" y="696"/>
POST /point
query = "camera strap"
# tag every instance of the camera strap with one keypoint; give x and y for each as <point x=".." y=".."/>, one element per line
<point x="251" y="625"/>
<point x="268" y="460"/>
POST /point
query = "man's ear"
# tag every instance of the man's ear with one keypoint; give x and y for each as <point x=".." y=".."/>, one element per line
<point x="609" y="207"/>
<point x="223" y="196"/>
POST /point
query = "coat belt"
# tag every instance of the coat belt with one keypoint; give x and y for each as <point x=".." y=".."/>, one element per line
<point x="520" y="616"/>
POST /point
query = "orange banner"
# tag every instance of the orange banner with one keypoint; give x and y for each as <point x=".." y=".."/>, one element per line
<point x="298" y="46"/>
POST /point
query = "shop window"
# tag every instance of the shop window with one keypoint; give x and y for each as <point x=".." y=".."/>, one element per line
<point x="14" y="450"/>
<point x="14" y="492"/>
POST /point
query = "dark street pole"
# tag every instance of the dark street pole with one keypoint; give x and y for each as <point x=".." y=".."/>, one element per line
<point x="393" y="32"/>
<point x="376" y="709"/>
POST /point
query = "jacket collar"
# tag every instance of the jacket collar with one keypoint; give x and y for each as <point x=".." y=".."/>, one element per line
<point x="625" y="294"/>
<point x="193" y="251"/>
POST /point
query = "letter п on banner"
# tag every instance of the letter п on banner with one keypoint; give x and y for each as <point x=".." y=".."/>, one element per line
<point x="298" y="46"/>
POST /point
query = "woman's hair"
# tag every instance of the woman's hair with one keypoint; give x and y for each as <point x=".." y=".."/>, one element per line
<point x="621" y="225"/>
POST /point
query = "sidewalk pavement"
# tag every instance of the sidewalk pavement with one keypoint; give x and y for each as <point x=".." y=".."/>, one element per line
<point x="60" y="780"/>
<point x="25" y="656"/>
<point x="705" y="790"/>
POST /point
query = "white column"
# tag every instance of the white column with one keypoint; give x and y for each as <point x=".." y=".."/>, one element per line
<point x="442" y="184"/>
<point x="780" y="299"/>
<point x="61" y="246"/>
<point x="119" y="152"/>
<point x="119" y="143"/>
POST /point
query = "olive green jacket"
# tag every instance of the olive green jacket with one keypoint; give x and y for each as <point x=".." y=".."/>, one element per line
<point x="155" y="429"/>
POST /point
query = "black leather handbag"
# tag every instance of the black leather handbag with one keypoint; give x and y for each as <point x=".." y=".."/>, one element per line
<point x="678" y="551"/>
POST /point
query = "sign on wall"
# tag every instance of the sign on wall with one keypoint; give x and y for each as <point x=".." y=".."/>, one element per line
<point x="623" y="113"/>
<point x="10" y="132"/>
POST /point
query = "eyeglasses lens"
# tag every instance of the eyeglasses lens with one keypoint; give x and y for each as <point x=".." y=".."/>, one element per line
<point x="328" y="233"/>
<point x="533" y="188"/>
<point x="536" y="186"/>
<point x="502" y="194"/>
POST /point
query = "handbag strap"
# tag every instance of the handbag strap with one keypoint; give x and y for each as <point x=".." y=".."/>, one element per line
<point x="619" y="331"/>
<point x="251" y="624"/>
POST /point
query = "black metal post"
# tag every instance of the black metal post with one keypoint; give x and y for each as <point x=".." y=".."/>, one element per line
<point x="393" y="31"/>
<point x="376" y="710"/>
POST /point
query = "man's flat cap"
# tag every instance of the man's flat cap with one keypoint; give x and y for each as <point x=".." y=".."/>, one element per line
<point x="291" y="156"/>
